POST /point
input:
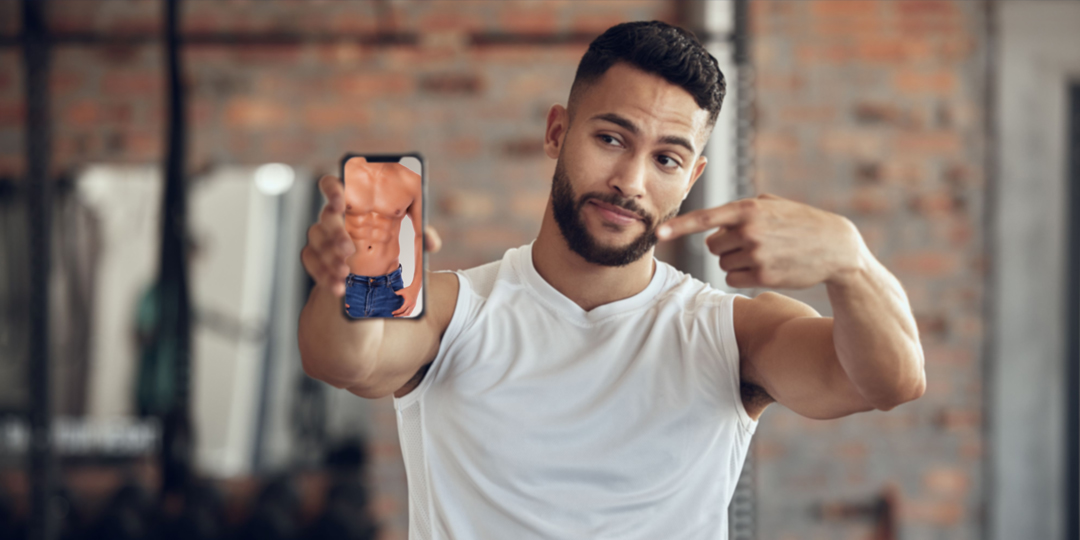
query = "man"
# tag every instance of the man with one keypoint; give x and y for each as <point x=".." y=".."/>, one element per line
<point x="377" y="197"/>
<point x="578" y="388"/>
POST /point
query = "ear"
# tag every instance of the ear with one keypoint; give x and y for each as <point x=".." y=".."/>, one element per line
<point x="558" y="121"/>
<point x="699" y="167"/>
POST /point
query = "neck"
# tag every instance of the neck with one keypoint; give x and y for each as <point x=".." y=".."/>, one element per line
<point x="588" y="285"/>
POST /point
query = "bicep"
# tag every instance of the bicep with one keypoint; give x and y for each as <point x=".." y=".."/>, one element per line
<point x="788" y="350"/>
<point x="410" y="344"/>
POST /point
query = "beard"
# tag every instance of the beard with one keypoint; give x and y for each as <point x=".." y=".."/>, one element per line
<point x="566" y="208"/>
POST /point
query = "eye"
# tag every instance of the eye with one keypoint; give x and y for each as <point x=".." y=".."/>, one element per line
<point x="671" y="162"/>
<point x="608" y="139"/>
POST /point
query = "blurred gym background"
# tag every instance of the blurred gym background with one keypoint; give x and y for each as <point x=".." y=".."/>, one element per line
<point x="157" y="168"/>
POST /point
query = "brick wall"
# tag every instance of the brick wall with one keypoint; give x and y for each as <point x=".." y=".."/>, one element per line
<point x="872" y="109"/>
<point x="869" y="109"/>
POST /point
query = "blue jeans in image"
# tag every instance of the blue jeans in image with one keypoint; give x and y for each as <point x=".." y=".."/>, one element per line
<point x="373" y="296"/>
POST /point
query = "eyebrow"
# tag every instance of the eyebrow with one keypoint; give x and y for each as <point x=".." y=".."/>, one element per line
<point x="626" y="124"/>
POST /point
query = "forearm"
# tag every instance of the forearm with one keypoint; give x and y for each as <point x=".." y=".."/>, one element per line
<point x="333" y="349"/>
<point x="418" y="249"/>
<point x="874" y="332"/>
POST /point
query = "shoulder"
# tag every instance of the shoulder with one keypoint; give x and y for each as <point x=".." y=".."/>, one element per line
<point x="442" y="298"/>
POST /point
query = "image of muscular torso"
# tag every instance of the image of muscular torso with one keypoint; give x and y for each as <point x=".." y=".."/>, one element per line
<point x="377" y="197"/>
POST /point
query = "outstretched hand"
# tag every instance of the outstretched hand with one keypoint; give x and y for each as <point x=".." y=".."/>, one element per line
<point x="329" y="244"/>
<point x="772" y="242"/>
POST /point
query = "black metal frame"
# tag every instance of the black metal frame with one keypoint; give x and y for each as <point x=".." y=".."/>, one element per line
<point x="1072" y="322"/>
<point x="36" y="56"/>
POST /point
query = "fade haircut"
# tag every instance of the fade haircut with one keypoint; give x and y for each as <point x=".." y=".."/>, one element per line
<point x="658" y="48"/>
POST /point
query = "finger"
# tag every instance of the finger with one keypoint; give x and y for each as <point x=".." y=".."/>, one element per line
<point x="324" y="276"/>
<point x="737" y="260"/>
<point x="333" y="249"/>
<point x="725" y="240"/>
<point x="728" y="215"/>
<point x="432" y="241"/>
<point x="332" y="237"/>
<point x="403" y="309"/>
<point x="332" y="188"/>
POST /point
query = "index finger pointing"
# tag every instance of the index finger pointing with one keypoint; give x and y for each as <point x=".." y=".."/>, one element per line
<point x="700" y="220"/>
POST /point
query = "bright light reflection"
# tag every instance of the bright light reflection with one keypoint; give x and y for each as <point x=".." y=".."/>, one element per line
<point x="274" y="178"/>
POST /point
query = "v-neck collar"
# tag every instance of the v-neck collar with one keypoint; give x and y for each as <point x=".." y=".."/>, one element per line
<point x="523" y="265"/>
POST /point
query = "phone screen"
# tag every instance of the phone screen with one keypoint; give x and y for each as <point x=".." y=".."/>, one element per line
<point x="384" y="217"/>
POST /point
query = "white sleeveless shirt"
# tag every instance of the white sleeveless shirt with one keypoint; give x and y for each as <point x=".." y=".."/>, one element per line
<point x="538" y="419"/>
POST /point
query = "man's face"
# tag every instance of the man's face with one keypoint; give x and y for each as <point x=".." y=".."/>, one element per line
<point x="624" y="164"/>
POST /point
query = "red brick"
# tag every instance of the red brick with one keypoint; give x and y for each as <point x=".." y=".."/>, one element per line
<point x="250" y="113"/>
<point x="958" y="420"/>
<point x="776" y="145"/>
<point x="83" y="113"/>
<point x="939" y="83"/>
<point x="204" y="54"/>
<point x="893" y="50"/>
<point x="844" y="8"/>
<point x="330" y="116"/>
<point x="935" y="325"/>
<point x="522" y="18"/>
<point x="872" y="200"/>
<point x="469" y="205"/>
<point x="144" y="145"/>
<point x="524" y="148"/>
<point x="452" y="83"/>
<point x="809" y="114"/>
<point x="958" y="175"/>
<point x="361" y="23"/>
<point x="278" y="55"/>
<point x="872" y="113"/>
<point x="827" y="53"/>
<point x="595" y="23"/>
<point x="449" y="18"/>
<point x="940" y="513"/>
<point x="935" y="204"/>
<point x="946" y="481"/>
<point x="132" y="84"/>
<point x="12" y="113"/>
<point x="529" y="206"/>
<point x="928" y="143"/>
<point x="463" y="146"/>
<point x="858" y="144"/>
<point x="780" y="82"/>
<point x="13" y="165"/>
<point x="287" y="148"/>
<point x="362" y="85"/>
<point x="927" y="263"/>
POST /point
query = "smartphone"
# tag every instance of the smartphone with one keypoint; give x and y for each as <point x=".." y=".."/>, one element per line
<point x="384" y="216"/>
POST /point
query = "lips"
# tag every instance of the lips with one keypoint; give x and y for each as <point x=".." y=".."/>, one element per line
<point x="619" y="212"/>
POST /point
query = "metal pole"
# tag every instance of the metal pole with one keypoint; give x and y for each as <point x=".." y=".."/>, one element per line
<point x="39" y="191"/>
<point x="742" y="512"/>
<point x="1072" y="328"/>
<point x="178" y="434"/>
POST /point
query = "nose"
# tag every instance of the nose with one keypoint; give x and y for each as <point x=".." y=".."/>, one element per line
<point x="629" y="180"/>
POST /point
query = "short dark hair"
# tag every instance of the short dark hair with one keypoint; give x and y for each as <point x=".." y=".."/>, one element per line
<point x="662" y="49"/>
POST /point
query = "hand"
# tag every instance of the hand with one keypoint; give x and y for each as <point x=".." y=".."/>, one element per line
<point x="771" y="242"/>
<point x="329" y="245"/>
<point x="409" y="294"/>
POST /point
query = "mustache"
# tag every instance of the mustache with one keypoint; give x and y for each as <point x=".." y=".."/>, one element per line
<point x="615" y="200"/>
